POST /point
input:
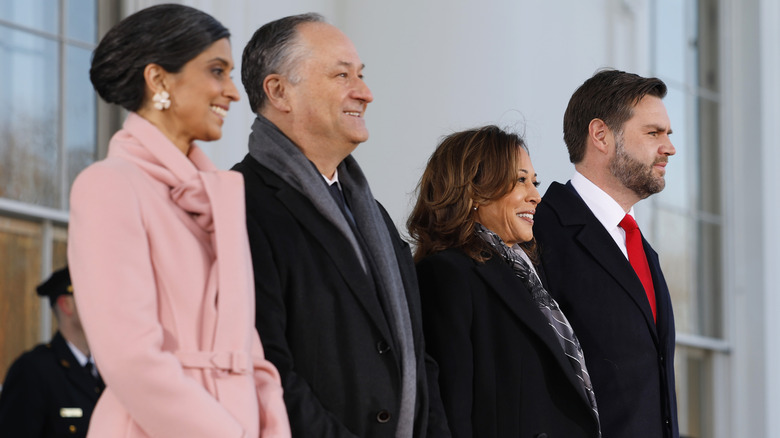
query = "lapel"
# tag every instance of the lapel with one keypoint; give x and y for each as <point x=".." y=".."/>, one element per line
<point x="502" y="281"/>
<point x="597" y="242"/>
<point x="664" y="313"/>
<point x="75" y="373"/>
<point x="332" y="241"/>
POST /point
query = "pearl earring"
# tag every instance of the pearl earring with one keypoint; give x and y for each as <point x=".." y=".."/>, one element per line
<point x="162" y="100"/>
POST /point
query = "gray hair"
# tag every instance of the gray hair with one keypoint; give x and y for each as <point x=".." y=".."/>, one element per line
<point x="273" y="49"/>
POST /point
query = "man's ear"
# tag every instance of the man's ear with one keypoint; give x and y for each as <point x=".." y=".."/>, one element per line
<point x="275" y="87"/>
<point x="66" y="304"/>
<point x="599" y="135"/>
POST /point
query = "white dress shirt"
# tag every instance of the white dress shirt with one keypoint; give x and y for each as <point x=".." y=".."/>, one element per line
<point x="335" y="179"/>
<point x="606" y="209"/>
<point x="82" y="358"/>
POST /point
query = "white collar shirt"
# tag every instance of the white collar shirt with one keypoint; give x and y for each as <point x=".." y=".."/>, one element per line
<point x="334" y="180"/>
<point x="606" y="209"/>
<point x="81" y="357"/>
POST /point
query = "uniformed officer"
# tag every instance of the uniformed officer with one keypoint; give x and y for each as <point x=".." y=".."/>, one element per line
<point x="51" y="390"/>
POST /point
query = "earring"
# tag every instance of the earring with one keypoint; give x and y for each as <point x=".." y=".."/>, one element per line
<point x="475" y="208"/>
<point x="162" y="100"/>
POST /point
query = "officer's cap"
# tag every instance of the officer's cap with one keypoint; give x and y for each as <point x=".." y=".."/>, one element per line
<point x="58" y="284"/>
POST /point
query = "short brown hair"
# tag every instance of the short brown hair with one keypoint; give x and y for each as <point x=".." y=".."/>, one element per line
<point x="610" y="95"/>
<point x="467" y="168"/>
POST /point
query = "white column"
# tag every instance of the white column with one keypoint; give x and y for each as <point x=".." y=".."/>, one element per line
<point x="746" y="212"/>
<point x="769" y="13"/>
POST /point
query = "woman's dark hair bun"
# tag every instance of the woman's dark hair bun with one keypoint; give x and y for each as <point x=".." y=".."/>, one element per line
<point x="168" y="35"/>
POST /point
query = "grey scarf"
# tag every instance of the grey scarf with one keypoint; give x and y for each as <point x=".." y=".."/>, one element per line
<point x="271" y="148"/>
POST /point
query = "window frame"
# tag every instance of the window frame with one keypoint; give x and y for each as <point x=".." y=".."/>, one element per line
<point x="715" y="352"/>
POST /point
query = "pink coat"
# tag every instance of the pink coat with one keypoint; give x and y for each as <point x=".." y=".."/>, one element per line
<point x="162" y="274"/>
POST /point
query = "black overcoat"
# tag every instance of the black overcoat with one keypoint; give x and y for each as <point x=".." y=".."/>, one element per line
<point x="321" y="322"/>
<point x="502" y="371"/>
<point x="630" y="358"/>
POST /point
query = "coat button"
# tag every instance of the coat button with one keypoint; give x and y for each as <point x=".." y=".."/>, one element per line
<point x="383" y="416"/>
<point x="541" y="435"/>
<point x="382" y="347"/>
<point x="72" y="429"/>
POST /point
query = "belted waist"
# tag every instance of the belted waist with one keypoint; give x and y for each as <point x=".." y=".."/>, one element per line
<point x="236" y="362"/>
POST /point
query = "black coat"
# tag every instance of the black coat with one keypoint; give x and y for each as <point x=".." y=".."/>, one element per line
<point x="630" y="358"/>
<point x="321" y="322"/>
<point x="502" y="371"/>
<point x="47" y="394"/>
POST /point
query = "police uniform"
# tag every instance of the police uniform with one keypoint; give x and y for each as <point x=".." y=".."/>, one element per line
<point x="47" y="393"/>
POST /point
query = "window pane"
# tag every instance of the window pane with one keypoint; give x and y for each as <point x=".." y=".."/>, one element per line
<point x="20" y="255"/>
<point x="82" y="20"/>
<point x="38" y="14"/>
<point x="690" y="252"/>
<point x="80" y="115"/>
<point x="678" y="188"/>
<point x="709" y="170"/>
<point x="670" y="40"/>
<point x="59" y="258"/>
<point x="693" y="372"/>
<point x="675" y="244"/>
<point x="710" y="281"/>
<point x="28" y="122"/>
<point x="707" y="38"/>
<point x="59" y="248"/>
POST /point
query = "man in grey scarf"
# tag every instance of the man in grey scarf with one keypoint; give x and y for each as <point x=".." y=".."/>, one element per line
<point x="337" y="299"/>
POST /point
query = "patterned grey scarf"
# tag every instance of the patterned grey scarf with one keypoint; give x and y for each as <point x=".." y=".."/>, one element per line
<point x="548" y="306"/>
<point x="271" y="148"/>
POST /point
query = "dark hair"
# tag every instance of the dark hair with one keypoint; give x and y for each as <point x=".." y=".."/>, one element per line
<point x="467" y="168"/>
<point x="272" y="50"/>
<point x="610" y="95"/>
<point x="167" y="35"/>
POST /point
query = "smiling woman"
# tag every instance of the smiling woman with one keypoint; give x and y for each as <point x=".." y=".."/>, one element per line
<point x="158" y="246"/>
<point x="199" y="94"/>
<point x="483" y="175"/>
<point x="486" y="316"/>
<point x="511" y="216"/>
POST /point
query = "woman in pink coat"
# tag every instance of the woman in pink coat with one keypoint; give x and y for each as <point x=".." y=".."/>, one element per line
<point x="158" y="247"/>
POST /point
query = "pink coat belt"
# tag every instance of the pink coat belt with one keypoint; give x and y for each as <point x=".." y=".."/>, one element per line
<point x="236" y="362"/>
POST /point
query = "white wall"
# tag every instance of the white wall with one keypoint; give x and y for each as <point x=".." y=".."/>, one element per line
<point x="447" y="66"/>
<point x="439" y="66"/>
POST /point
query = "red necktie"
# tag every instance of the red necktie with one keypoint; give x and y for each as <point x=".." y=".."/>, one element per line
<point x="638" y="259"/>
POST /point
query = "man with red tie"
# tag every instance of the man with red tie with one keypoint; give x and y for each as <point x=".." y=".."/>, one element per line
<point x="603" y="273"/>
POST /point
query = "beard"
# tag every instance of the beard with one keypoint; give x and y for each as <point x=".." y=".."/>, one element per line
<point x="634" y="174"/>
